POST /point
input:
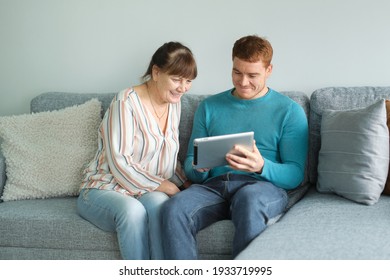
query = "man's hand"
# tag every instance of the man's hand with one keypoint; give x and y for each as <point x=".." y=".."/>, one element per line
<point x="250" y="161"/>
<point x="203" y="169"/>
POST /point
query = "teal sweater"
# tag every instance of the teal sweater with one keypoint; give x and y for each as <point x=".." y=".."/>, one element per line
<point x="281" y="134"/>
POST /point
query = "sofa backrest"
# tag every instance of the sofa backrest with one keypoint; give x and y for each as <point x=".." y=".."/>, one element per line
<point x="58" y="100"/>
<point x="50" y="101"/>
<point x="336" y="98"/>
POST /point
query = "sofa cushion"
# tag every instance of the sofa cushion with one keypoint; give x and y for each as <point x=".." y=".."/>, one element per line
<point x="354" y="156"/>
<point x="189" y="104"/>
<point x="45" y="152"/>
<point x="336" y="98"/>
<point x="326" y="227"/>
<point x="49" y="226"/>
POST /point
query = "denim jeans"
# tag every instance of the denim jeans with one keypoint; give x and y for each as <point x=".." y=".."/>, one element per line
<point x="249" y="203"/>
<point x="136" y="221"/>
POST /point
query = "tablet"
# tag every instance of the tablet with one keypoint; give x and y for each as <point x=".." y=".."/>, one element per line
<point x="211" y="151"/>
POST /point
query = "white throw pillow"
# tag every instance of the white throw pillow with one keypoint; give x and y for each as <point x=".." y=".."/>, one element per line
<point x="45" y="153"/>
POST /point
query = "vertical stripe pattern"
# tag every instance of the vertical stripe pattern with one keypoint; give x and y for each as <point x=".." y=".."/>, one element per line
<point x="134" y="156"/>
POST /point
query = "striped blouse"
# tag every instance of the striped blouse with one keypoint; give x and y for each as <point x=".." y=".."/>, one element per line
<point x="134" y="156"/>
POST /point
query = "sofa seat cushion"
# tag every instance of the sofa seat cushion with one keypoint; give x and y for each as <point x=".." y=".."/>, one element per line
<point x="52" y="226"/>
<point x="326" y="227"/>
<point x="215" y="241"/>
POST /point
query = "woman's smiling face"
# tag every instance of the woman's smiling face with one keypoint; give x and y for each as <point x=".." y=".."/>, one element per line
<point x="170" y="87"/>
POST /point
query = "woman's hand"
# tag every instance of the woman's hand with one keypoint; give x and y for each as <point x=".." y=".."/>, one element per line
<point x="168" y="187"/>
<point x="250" y="161"/>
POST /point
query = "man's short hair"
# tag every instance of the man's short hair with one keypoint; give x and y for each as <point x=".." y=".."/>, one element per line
<point x="253" y="48"/>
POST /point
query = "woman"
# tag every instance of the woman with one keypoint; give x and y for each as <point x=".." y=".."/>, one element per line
<point x="135" y="169"/>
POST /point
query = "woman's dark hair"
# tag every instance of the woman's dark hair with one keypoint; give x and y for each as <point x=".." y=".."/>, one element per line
<point x="173" y="58"/>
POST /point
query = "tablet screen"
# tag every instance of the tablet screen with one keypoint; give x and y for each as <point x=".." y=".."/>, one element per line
<point x="211" y="151"/>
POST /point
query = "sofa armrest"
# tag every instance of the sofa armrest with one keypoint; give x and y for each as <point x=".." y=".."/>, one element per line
<point x="2" y="174"/>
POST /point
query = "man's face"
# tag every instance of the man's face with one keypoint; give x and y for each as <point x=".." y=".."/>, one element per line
<point x="249" y="78"/>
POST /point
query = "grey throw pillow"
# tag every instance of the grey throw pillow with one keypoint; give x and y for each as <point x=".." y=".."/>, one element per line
<point x="354" y="156"/>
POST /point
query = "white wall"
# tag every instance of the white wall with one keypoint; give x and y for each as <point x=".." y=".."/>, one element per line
<point x="105" y="46"/>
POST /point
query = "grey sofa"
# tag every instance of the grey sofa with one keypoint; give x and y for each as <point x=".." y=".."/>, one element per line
<point x="315" y="225"/>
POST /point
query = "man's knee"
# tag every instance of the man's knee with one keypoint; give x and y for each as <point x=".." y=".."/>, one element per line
<point x="261" y="194"/>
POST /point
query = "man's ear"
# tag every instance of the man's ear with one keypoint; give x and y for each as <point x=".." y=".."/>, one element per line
<point x="269" y="70"/>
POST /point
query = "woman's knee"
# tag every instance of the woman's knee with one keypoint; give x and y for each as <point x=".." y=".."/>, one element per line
<point x="132" y="210"/>
<point x="154" y="200"/>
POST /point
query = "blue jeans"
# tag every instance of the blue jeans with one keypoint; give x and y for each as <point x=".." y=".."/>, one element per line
<point x="136" y="221"/>
<point x="249" y="203"/>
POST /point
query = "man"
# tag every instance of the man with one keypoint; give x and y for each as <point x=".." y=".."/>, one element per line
<point x="252" y="188"/>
